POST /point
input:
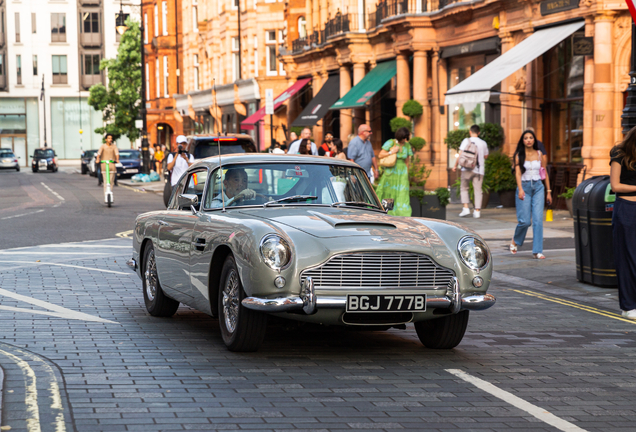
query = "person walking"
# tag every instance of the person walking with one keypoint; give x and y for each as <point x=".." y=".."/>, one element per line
<point x="477" y="147"/>
<point x="180" y="162"/>
<point x="394" y="182"/>
<point x="531" y="194"/>
<point x="108" y="152"/>
<point x="623" y="182"/>
<point x="295" y="146"/>
<point x="158" y="159"/>
<point x="361" y="152"/>
<point x="337" y="149"/>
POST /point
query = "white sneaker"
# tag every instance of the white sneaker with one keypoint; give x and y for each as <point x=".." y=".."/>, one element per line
<point x="630" y="314"/>
<point x="465" y="212"/>
<point x="476" y="214"/>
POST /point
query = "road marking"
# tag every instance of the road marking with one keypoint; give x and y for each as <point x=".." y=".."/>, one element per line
<point x="23" y="214"/>
<point x="31" y="391"/>
<point x="576" y="305"/>
<point x="133" y="189"/>
<point x="62" y="312"/>
<point x="66" y="265"/>
<point x="57" y="195"/>
<point x="535" y="411"/>
<point x="124" y="234"/>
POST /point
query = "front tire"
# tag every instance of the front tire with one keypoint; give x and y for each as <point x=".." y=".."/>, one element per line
<point x="17" y="169"/>
<point x="443" y="333"/>
<point x="157" y="303"/>
<point x="242" y="329"/>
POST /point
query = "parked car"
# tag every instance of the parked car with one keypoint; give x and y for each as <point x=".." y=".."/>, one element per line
<point x="202" y="146"/>
<point x="44" y="159"/>
<point x="8" y="160"/>
<point x="306" y="239"/>
<point x="131" y="163"/>
<point x="86" y="159"/>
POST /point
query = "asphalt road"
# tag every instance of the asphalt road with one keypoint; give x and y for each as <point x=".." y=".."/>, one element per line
<point x="47" y="208"/>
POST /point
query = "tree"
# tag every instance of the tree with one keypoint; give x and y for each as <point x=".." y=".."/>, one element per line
<point x="121" y="101"/>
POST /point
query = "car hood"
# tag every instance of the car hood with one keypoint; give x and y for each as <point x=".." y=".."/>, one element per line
<point x="325" y="222"/>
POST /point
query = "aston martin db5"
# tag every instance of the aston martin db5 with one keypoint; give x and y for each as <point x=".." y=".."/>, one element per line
<point x="305" y="238"/>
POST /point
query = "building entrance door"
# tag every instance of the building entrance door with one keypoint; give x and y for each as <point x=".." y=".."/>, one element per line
<point x="18" y="144"/>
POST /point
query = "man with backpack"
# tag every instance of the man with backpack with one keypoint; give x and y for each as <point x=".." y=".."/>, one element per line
<point x="472" y="156"/>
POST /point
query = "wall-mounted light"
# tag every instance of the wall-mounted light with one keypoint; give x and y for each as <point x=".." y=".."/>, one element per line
<point x="160" y="127"/>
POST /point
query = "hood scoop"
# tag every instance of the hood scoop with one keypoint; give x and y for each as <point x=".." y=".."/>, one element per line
<point x="353" y="221"/>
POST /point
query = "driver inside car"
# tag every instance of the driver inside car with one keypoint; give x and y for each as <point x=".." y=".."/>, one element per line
<point x="234" y="189"/>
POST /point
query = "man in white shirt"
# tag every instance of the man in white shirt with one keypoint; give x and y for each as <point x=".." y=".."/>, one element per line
<point x="475" y="175"/>
<point x="294" y="148"/>
<point x="179" y="162"/>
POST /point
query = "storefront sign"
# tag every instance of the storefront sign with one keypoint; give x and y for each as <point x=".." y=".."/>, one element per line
<point x="582" y="45"/>
<point x="553" y="6"/>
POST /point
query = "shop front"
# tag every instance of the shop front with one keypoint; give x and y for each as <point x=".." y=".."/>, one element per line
<point x="19" y="127"/>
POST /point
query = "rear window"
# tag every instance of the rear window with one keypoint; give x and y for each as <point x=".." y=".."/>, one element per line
<point x="6" y="155"/>
<point x="206" y="148"/>
<point x="44" y="153"/>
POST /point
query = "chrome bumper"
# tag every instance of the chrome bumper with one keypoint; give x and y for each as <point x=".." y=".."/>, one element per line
<point x="132" y="264"/>
<point x="309" y="303"/>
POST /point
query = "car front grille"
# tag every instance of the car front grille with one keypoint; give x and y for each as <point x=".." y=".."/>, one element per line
<point x="381" y="270"/>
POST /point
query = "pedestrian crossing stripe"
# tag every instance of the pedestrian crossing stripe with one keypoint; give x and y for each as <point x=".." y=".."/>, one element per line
<point x="575" y="305"/>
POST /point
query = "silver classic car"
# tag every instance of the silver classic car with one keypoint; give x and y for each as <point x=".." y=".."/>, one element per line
<point x="305" y="238"/>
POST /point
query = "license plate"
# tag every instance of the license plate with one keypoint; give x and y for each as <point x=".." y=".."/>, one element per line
<point x="386" y="303"/>
<point x="43" y="163"/>
<point x="131" y="170"/>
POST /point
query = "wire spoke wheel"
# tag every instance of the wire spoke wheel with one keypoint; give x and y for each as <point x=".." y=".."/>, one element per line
<point x="231" y="301"/>
<point x="157" y="303"/>
<point x="151" y="276"/>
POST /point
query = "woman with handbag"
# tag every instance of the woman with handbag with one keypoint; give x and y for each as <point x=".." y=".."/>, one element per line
<point x="530" y="173"/>
<point x="395" y="157"/>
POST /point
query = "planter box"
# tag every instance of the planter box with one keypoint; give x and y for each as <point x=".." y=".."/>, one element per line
<point x="507" y="198"/>
<point x="431" y="208"/>
<point x="568" y="204"/>
<point x="416" y="207"/>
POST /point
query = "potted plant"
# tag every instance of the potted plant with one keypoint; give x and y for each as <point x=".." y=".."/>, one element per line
<point x="398" y="122"/>
<point x="568" y="194"/>
<point x="418" y="174"/>
<point x="412" y="109"/>
<point x="434" y="203"/>
<point x="500" y="178"/>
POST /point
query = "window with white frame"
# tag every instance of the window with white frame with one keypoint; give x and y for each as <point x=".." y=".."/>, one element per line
<point x="145" y="28"/>
<point x="18" y="68"/>
<point x="236" y="63"/>
<point x="235" y="4"/>
<point x="156" y="32"/>
<point x="59" y="69"/>
<point x="147" y="82"/>
<point x="255" y="56"/>
<point x="164" y="18"/>
<point x="302" y="27"/>
<point x="270" y="52"/>
<point x="195" y="64"/>
<point x="195" y="16"/>
<point x="17" y="28"/>
<point x="158" y="90"/>
<point x="35" y="65"/>
<point x="33" y="23"/>
<point x="166" y="93"/>
<point x="281" y="40"/>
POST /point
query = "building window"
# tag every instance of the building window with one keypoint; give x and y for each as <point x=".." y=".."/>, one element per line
<point x="60" y="74"/>
<point x="17" y="27"/>
<point x="1" y="64"/>
<point x="90" y="22"/>
<point x="236" y="64"/>
<point x="145" y="28"/>
<point x="58" y="27"/>
<point x="35" y="65"/>
<point x="33" y="24"/>
<point x="165" y="77"/>
<point x="157" y="89"/>
<point x="195" y="18"/>
<point x="270" y="40"/>
<point x="302" y="27"/>
<point x="196" y="71"/>
<point x="91" y="64"/>
<point x="255" y="56"/>
<point x="147" y="82"/>
<point x="164" y="18"/>
<point x="156" y="32"/>
<point x="18" y="68"/>
<point x="235" y="4"/>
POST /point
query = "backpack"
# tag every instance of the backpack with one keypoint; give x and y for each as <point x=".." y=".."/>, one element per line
<point x="468" y="157"/>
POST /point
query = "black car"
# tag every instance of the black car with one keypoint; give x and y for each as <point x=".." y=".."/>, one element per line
<point x="203" y="146"/>
<point x="44" y="159"/>
<point x="86" y="159"/>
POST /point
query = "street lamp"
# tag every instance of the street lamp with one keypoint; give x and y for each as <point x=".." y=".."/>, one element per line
<point x="121" y="29"/>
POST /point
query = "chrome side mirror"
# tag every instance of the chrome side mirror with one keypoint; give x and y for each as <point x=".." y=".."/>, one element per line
<point x="388" y="204"/>
<point x="188" y="201"/>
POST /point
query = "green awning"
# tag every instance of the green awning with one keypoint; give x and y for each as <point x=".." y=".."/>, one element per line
<point x="370" y="84"/>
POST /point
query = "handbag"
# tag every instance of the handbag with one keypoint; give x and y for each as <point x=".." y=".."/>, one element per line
<point x="542" y="173"/>
<point x="390" y="160"/>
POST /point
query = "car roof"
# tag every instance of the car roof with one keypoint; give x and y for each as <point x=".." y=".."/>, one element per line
<point x="208" y="136"/>
<point x="271" y="158"/>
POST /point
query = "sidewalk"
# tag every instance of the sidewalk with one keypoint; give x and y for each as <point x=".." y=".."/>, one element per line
<point x="554" y="275"/>
<point x="156" y="187"/>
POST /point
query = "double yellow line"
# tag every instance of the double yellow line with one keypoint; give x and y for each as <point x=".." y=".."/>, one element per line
<point x="575" y="305"/>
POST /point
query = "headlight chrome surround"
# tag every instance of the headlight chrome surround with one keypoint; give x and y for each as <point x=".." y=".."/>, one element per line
<point x="473" y="252"/>
<point x="275" y="251"/>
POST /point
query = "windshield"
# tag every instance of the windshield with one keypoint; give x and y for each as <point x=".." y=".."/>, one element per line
<point x="129" y="154"/>
<point x="290" y="184"/>
<point x="206" y="148"/>
<point x="44" y="153"/>
<point x="89" y="153"/>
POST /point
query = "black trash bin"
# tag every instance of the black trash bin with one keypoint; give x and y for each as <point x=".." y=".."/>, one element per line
<point x="592" y="205"/>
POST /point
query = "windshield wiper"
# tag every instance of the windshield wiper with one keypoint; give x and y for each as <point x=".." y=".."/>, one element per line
<point x="355" y="203"/>
<point x="290" y="199"/>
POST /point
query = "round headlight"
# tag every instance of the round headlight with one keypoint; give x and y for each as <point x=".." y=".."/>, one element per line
<point x="473" y="253"/>
<point x="275" y="251"/>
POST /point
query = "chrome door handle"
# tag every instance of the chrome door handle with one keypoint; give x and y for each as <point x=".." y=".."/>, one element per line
<point x="163" y="223"/>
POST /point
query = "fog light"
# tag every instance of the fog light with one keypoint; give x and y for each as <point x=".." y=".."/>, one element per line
<point x="478" y="281"/>
<point x="279" y="282"/>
